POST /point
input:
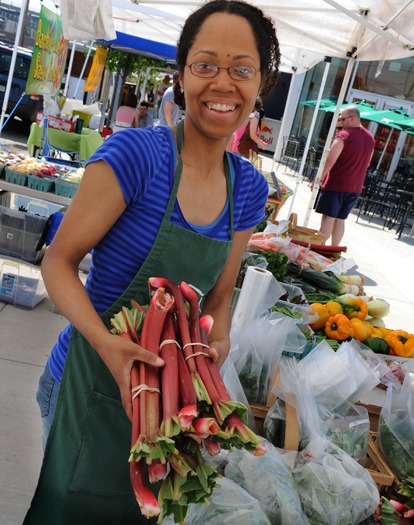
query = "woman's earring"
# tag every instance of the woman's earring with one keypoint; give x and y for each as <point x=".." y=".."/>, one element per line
<point x="181" y="89"/>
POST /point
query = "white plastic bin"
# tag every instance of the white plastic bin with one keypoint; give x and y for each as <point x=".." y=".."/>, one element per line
<point x="21" y="283"/>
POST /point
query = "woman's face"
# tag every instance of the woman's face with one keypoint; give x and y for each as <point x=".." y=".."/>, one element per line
<point x="219" y="105"/>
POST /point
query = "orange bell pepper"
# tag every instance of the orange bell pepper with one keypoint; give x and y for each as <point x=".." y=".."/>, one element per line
<point x="338" y="327"/>
<point x="334" y="307"/>
<point x="323" y="313"/>
<point x="401" y="342"/>
<point x="359" y="329"/>
<point x="355" y="308"/>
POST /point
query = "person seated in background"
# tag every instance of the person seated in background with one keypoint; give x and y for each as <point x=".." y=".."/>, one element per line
<point x="127" y="116"/>
<point x="145" y="118"/>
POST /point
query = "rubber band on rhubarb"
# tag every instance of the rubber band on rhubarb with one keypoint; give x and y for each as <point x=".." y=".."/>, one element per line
<point x="195" y="344"/>
<point x="140" y="388"/>
<point x="198" y="353"/>
<point x="169" y="341"/>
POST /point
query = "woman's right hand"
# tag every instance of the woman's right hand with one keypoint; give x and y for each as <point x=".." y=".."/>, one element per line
<point x="119" y="355"/>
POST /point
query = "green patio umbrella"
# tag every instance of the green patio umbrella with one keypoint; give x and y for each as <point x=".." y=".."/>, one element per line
<point x="324" y="104"/>
<point x="365" y="109"/>
<point x="394" y="118"/>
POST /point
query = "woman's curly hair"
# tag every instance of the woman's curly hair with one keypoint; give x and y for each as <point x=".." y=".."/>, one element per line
<point x="263" y="30"/>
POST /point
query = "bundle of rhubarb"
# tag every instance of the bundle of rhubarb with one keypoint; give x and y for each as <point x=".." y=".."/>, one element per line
<point x="181" y="408"/>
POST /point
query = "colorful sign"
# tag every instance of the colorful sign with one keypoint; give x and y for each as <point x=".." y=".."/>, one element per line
<point x="49" y="55"/>
<point x="98" y="66"/>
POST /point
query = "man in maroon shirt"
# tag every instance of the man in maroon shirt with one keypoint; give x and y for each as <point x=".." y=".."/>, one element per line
<point x="344" y="173"/>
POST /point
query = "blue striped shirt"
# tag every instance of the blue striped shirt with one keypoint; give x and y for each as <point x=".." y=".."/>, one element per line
<point x="144" y="162"/>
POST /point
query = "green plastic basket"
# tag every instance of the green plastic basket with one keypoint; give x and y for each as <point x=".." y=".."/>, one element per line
<point x="2" y="167"/>
<point x="41" y="184"/>
<point x="65" y="188"/>
<point x="15" y="177"/>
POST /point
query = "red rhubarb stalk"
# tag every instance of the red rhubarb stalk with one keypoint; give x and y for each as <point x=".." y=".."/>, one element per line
<point x="161" y="282"/>
<point x="151" y="444"/>
<point x="145" y="498"/>
<point x="221" y="410"/>
<point x="174" y="419"/>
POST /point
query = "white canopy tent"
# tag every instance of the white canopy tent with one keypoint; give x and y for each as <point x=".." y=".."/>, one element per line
<point x="308" y="31"/>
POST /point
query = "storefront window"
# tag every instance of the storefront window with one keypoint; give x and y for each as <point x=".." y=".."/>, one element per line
<point x="392" y="78"/>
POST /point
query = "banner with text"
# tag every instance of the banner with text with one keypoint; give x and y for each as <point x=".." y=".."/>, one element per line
<point x="49" y="55"/>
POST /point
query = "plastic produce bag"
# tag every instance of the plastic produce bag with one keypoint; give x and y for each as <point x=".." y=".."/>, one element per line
<point x="259" y="349"/>
<point x="270" y="481"/>
<point x="229" y="504"/>
<point x="396" y="428"/>
<point x="333" y="488"/>
<point x="235" y="389"/>
<point x="337" y="377"/>
<point x="348" y="429"/>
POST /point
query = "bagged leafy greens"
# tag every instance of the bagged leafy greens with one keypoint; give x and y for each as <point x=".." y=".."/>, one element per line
<point x="333" y="488"/>
<point x="259" y="349"/>
<point x="396" y="428"/>
<point x="270" y="481"/>
<point x="229" y="504"/>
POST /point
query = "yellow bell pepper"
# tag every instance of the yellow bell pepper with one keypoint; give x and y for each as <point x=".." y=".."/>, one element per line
<point x="334" y="307"/>
<point x="355" y="308"/>
<point x="359" y="329"/>
<point x="338" y="327"/>
<point x="401" y="342"/>
<point x="323" y="313"/>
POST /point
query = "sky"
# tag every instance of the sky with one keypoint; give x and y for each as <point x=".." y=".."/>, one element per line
<point x="34" y="5"/>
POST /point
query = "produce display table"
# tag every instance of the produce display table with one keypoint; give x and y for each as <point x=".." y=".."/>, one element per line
<point x="86" y="143"/>
<point x="29" y="192"/>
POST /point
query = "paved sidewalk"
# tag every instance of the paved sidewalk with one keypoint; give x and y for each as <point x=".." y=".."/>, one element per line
<point x="26" y="337"/>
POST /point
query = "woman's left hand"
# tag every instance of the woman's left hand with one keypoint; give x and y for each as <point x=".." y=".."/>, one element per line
<point x="219" y="351"/>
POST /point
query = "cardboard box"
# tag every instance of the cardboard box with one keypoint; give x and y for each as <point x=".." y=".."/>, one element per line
<point x="21" y="284"/>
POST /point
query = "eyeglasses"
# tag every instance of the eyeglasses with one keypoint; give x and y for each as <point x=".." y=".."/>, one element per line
<point x="349" y="116"/>
<point x="206" y="70"/>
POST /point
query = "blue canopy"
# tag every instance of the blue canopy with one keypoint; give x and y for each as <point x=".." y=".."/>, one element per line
<point x="142" y="46"/>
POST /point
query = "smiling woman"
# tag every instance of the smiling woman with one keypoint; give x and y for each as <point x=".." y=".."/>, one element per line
<point x="165" y="202"/>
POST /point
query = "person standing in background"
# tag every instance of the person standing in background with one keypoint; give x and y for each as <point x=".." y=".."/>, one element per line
<point x="253" y="122"/>
<point x="343" y="174"/>
<point x="127" y="116"/>
<point x="145" y="118"/>
<point x="169" y="111"/>
<point x="161" y="89"/>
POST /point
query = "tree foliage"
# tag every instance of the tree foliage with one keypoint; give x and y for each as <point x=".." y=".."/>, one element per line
<point x="132" y="64"/>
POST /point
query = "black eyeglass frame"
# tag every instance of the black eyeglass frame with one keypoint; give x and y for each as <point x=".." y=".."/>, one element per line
<point x="344" y="118"/>
<point x="216" y="70"/>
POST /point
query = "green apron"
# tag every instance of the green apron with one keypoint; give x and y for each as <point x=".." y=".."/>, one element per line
<point x="84" y="478"/>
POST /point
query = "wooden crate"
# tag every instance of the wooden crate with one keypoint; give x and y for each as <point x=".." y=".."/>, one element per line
<point x="378" y="467"/>
<point x="301" y="233"/>
<point x="373" y="413"/>
<point x="292" y="426"/>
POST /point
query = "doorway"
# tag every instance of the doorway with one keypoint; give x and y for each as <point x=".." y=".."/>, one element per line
<point x="394" y="149"/>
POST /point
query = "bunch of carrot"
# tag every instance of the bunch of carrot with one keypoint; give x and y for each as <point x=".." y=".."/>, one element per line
<point x="181" y="407"/>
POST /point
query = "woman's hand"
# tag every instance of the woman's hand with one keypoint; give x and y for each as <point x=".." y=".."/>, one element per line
<point x="119" y="355"/>
<point x="219" y="350"/>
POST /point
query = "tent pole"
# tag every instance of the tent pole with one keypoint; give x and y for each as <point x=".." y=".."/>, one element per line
<point x="72" y="55"/>
<point x="13" y="62"/>
<point x="83" y="69"/>
<point x="384" y="149"/>
<point x="310" y="132"/>
<point x="331" y="131"/>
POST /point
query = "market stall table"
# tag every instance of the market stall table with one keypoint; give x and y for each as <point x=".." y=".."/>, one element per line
<point x="86" y="143"/>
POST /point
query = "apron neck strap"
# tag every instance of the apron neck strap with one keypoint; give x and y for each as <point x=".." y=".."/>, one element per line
<point x="179" y="171"/>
